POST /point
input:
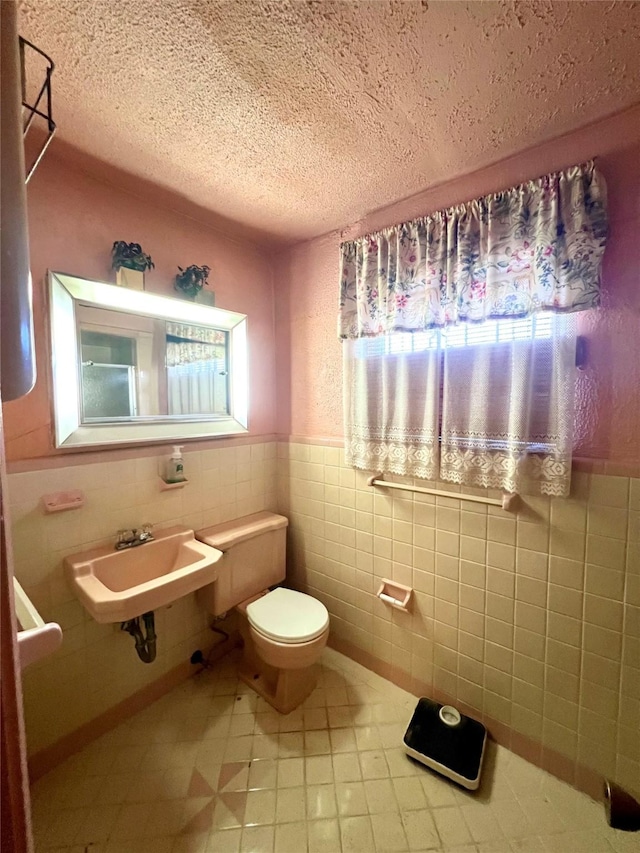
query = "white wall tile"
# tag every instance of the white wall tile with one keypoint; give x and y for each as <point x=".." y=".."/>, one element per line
<point x="97" y="665"/>
<point x="537" y="599"/>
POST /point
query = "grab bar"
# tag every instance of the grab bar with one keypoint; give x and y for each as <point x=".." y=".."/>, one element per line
<point x="506" y="502"/>
<point x="36" y="639"/>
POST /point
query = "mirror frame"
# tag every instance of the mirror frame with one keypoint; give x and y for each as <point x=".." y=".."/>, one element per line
<point x="65" y="292"/>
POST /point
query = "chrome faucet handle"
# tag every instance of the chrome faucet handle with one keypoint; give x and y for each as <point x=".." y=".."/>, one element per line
<point x="125" y="538"/>
<point x="145" y="534"/>
<point x="134" y="536"/>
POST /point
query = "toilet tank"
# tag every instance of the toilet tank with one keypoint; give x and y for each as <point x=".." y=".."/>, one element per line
<point x="254" y="549"/>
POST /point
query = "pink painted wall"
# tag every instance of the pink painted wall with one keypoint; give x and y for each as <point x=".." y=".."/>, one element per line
<point x="74" y="219"/>
<point x="608" y="395"/>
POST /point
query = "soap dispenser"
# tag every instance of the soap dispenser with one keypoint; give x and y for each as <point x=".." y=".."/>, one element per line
<point x="175" y="466"/>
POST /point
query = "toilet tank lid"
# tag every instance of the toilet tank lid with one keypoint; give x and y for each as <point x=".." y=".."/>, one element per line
<point x="223" y="536"/>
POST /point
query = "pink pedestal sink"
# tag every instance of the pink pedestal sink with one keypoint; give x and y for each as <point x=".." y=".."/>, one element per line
<point x="116" y="586"/>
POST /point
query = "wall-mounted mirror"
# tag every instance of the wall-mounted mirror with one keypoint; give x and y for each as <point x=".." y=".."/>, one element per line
<point x="131" y="366"/>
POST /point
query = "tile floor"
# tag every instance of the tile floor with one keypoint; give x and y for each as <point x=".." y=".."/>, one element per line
<point x="211" y="767"/>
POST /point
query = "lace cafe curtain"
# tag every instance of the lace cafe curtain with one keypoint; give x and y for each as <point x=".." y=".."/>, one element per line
<point x="459" y="347"/>
<point x="391" y="397"/>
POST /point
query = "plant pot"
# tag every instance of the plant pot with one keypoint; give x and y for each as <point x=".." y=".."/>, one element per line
<point x="206" y="297"/>
<point x="133" y="279"/>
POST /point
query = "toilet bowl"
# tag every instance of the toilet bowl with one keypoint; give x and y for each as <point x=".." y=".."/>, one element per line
<point x="283" y="631"/>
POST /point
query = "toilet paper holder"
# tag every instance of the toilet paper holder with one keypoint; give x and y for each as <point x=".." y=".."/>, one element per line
<point x="396" y="594"/>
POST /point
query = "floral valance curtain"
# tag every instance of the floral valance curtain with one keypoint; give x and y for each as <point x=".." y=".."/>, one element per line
<point x="187" y="344"/>
<point x="531" y="248"/>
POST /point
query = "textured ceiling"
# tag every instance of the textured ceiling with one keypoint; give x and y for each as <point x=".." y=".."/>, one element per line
<point x="297" y="118"/>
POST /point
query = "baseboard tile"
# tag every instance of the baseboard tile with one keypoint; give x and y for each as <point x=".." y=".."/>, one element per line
<point x="51" y="756"/>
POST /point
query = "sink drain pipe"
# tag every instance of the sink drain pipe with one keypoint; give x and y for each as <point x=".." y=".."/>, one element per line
<point x="145" y="645"/>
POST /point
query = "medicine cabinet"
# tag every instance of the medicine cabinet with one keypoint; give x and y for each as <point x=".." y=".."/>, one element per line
<point x="131" y="366"/>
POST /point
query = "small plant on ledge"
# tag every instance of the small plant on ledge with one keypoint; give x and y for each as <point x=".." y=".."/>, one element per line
<point x="191" y="280"/>
<point x="130" y="256"/>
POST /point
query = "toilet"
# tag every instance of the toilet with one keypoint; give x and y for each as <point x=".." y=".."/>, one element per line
<point x="284" y="631"/>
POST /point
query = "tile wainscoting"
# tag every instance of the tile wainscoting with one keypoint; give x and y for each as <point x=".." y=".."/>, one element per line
<point x="97" y="670"/>
<point x="529" y="619"/>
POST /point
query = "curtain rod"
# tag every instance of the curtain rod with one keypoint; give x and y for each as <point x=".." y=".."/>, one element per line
<point x="506" y="502"/>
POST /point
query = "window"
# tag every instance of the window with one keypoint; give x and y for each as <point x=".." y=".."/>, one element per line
<point x="538" y="327"/>
<point x="483" y="402"/>
<point x="486" y="404"/>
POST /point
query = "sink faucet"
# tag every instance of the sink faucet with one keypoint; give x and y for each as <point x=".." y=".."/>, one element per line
<point x="133" y="537"/>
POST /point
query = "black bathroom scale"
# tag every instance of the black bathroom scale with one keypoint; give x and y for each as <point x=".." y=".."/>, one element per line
<point x="443" y="739"/>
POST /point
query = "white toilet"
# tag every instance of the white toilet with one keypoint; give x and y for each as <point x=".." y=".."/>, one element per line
<point x="284" y="631"/>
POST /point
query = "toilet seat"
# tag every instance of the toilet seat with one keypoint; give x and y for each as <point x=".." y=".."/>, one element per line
<point x="287" y="616"/>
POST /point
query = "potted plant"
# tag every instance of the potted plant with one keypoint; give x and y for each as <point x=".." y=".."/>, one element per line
<point x="191" y="281"/>
<point x="130" y="262"/>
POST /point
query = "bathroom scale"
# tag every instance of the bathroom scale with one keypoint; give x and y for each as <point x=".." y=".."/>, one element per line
<point x="443" y="739"/>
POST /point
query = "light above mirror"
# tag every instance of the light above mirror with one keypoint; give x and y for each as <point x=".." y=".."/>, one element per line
<point x="130" y="366"/>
